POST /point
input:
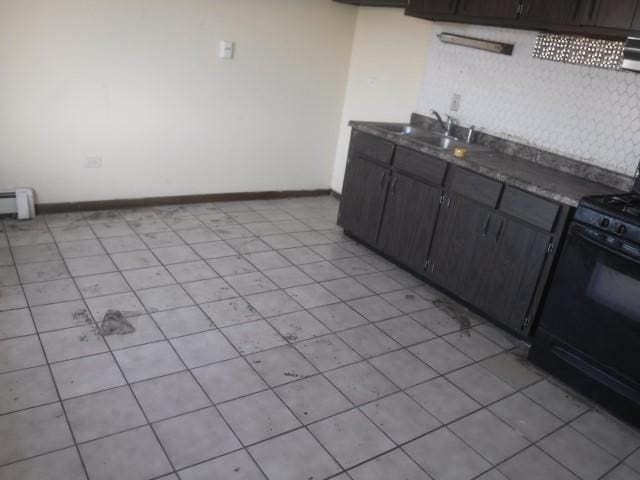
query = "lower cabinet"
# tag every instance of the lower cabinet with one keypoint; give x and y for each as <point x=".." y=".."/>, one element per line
<point x="409" y="219"/>
<point x="363" y="196"/>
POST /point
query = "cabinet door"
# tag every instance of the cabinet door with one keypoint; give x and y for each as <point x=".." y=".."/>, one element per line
<point x="515" y="271"/>
<point x="457" y="243"/>
<point x="432" y="7"/>
<point x="363" y="196"/>
<point x="408" y="221"/>
<point x="502" y="9"/>
<point x="607" y="13"/>
<point x="546" y="11"/>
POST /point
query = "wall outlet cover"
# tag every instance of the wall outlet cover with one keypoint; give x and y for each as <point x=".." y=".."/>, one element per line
<point x="455" y="102"/>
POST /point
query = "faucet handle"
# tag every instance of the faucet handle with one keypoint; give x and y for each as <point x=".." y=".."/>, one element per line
<point x="451" y="119"/>
<point x="471" y="133"/>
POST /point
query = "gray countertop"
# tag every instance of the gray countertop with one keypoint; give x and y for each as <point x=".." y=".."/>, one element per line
<point x="512" y="170"/>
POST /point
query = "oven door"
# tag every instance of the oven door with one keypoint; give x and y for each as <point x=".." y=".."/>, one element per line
<point x="593" y="304"/>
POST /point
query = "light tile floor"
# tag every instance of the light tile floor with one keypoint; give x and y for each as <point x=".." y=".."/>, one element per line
<point x="267" y="344"/>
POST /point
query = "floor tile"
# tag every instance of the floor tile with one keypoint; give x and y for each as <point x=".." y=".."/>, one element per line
<point x="312" y="296"/>
<point x="338" y="316"/>
<point x="195" y="437"/>
<point x="267" y="260"/>
<point x="47" y="292"/>
<point x="52" y="466"/>
<point x="36" y="272"/>
<point x="616" y="438"/>
<point x="112" y="229"/>
<point x="513" y="369"/>
<point x="128" y="243"/>
<point x="229" y="380"/>
<point x="400" y="417"/>
<point x="287" y="277"/>
<point x="86" y="375"/>
<point x="102" y="284"/>
<point x="12" y="297"/>
<point x="473" y="344"/>
<point x="33" y="432"/>
<point x="361" y="383"/>
<point x="72" y="343"/>
<point x="403" y="368"/>
<point x="300" y="255"/>
<point x="558" y="401"/>
<point x="25" y="389"/>
<point x="406" y="301"/>
<point x="145" y="331"/>
<point x="330" y="251"/>
<point x="90" y="265"/>
<point x="480" y="384"/>
<point x="374" y="308"/>
<point x="183" y="321"/>
<point x="168" y="396"/>
<point x="225" y="313"/>
<point x="395" y="464"/>
<point x="16" y="323"/>
<point x="368" y="340"/>
<point x="203" y="348"/>
<point x="328" y="352"/>
<point x="250" y="283"/>
<point x="443" y="399"/>
<point x="281" y="365"/>
<point x="191" y="271"/>
<point x="322" y="271"/>
<point x="351" y="438"/>
<point x="237" y="466"/>
<point x="258" y="417"/>
<point x="125" y="303"/>
<point x="446" y="457"/>
<point x="161" y="239"/>
<point x="148" y="361"/>
<point x="622" y="472"/>
<point x="310" y="237"/>
<point x="298" y="326"/>
<point x="245" y="245"/>
<point x="440" y="356"/>
<point x="134" y="455"/>
<point x="313" y="398"/>
<point x="577" y="453"/>
<point x="526" y="417"/>
<point x="176" y="254"/>
<point x="293" y="456"/>
<point x="234" y="265"/>
<point x="439" y="321"/>
<point x="534" y="464"/>
<point x="379" y="282"/>
<point x="135" y="259"/>
<point x="20" y="352"/>
<point x="151" y="277"/>
<point x="198" y="235"/>
<point x="164" y="298"/>
<point x="347" y="289"/>
<point x="489" y="436"/>
<point x="104" y="413"/>
<point x="72" y="232"/>
<point x="270" y="304"/>
<point x="496" y="335"/>
<point x="253" y="337"/>
<point x="354" y="266"/>
<point x="634" y="461"/>
<point x="39" y="253"/>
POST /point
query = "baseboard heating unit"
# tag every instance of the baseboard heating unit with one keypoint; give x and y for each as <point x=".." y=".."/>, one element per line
<point x="17" y="201"/>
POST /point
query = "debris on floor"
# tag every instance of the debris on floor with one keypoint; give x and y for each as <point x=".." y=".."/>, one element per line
<point x="114" y="323"/>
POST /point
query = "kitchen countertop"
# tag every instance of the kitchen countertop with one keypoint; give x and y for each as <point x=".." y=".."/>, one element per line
<point x="512" y="170"/>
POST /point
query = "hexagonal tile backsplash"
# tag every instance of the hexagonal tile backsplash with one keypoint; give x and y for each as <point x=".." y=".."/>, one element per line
<point x="585" y="113"/>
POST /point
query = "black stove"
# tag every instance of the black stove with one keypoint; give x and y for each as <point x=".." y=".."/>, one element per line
<point x="589" y="330"/>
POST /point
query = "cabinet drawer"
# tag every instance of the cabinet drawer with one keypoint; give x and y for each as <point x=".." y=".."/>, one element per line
<point x="530" y="208"/>
<point x="372" y="147"/>
<point x="420" y="165"/>
<point x="476" y="187"/>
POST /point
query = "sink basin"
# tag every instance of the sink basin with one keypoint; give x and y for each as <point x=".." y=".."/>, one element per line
<point x="426" y="136"/>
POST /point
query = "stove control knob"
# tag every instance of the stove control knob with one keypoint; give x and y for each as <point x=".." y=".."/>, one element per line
<point x="621" y="229"/>
<point x="604" y="222"/>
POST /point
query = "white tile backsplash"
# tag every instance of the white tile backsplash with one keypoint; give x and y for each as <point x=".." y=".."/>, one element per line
<point x="588" y="114"/>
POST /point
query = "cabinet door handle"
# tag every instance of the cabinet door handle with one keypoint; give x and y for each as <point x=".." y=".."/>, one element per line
<point x="485" y="230"/>
<point x="393" y="186"/>
<point x="426" y="264"/>
<point x="499" y="232"/>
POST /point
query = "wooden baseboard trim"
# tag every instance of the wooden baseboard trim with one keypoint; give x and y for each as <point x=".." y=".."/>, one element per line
<point x="44" y="208"/>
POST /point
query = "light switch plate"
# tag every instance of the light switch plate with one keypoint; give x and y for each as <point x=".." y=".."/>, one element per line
<point x="226" y="50"/>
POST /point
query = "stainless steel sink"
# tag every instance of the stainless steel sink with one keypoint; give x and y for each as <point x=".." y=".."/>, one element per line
<point x="426" y="136"/>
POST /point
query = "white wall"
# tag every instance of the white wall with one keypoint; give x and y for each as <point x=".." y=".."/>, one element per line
<point x="385" y="75"/>
<point x="138" y="83"/>
<point x="589" y="114"/>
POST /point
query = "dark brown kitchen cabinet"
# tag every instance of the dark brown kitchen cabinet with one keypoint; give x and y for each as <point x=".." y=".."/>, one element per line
<point x="461" y="224"/>
<point x="543" y="12"/>
<point x="514" y="273"/>
<point x="409" y="219"/>
<point x="427" y="8"/>
<point x="616" y="14"/>
<point x="363" y="196"/>
<point x="489" y="8"/>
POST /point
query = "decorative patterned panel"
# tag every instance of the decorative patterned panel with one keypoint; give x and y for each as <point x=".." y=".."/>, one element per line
<point x="591" y="52"/>
<point x="589" y="114"/>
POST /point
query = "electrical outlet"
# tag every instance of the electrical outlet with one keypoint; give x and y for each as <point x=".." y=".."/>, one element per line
<point x="93" y="162"/>
<point x="455" y="102"/>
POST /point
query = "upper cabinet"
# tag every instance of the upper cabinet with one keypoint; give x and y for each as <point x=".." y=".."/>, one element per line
<point x="614" y="18"/>
<point x="375" y="3"/>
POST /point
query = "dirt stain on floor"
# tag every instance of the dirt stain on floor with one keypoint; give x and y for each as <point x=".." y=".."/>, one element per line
<point x="114" y="323"/>
<point x="458" y="313"/>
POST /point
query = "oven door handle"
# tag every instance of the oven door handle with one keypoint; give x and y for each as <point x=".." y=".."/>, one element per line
<point x="604" y="247"/>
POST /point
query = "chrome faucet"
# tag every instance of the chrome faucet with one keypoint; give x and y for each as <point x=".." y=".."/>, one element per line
<point x="447" y="128"/>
